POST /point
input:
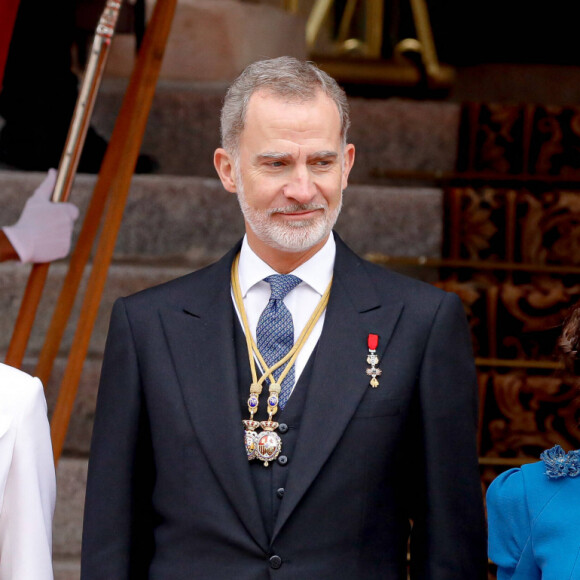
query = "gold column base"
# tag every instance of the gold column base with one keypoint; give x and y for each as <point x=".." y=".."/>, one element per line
<point x="383" y="72"/>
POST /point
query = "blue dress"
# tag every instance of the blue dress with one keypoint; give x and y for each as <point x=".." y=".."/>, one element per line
<point x="534" y="519"/>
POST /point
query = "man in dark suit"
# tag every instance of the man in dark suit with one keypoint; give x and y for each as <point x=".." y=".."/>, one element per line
<point x="211" y="462"/>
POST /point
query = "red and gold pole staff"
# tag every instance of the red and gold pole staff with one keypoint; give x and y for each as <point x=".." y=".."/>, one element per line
<point x="115" y="177"/>
<point x="66" y="173"/>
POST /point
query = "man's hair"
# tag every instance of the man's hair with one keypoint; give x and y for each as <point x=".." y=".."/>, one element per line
<point x="285" y="77"/>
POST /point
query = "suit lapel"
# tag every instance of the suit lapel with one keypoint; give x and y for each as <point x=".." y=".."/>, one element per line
<point x="338" y="379"/>
<point x="200" y="334"/>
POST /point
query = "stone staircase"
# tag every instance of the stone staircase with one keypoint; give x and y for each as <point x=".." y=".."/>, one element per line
<point x="181" y="219"/>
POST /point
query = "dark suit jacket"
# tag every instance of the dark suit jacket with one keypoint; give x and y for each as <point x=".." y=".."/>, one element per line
<point x="170" y="494"/>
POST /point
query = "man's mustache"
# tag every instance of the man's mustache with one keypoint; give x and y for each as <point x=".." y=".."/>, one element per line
<point x="296" y="208"/>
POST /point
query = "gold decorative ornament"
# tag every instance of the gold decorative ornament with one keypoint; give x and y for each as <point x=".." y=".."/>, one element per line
<point x="266" y="445"/>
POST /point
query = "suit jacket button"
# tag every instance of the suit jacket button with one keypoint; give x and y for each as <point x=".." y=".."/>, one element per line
<point x="275" y="562"/>
<point x="282" y="427"/>
<point x="280" y="492"/>
<point x="282" y="460"/>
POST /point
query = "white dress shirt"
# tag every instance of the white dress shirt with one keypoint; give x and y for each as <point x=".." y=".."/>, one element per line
<point x="27" y="479"/>
<point x="315" y="274"/>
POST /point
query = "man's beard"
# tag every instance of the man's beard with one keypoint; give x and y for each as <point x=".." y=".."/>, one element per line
<point x="291" y="235"/>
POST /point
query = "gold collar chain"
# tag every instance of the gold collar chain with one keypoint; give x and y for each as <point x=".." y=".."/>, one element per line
<point x="266" y="446"/>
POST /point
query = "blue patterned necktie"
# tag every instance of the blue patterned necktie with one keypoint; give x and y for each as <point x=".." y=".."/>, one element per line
<point x="275" y="330"/>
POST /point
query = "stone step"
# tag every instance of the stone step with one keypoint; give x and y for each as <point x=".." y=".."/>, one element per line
<point x="217" y="39"/>
<point x="192" y="220"/>
<point x="123" y="279"/>
<point x="389" y="134"/>
<point x="66" y="568"/>
<point x="165" y="216"/>
<point x="71" y="481"/>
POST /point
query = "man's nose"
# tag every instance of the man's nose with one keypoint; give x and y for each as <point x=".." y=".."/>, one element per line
<point x="300" y="186"/>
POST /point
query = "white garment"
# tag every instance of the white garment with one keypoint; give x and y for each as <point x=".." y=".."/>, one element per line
<point x="315" y="274"/>
<point x="27" y="479"/>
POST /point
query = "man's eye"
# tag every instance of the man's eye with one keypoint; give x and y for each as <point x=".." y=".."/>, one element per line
<point x="276" y="164"/>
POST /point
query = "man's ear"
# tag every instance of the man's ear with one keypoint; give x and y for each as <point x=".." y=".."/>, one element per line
<point x="347" y="163"/>
<point x="224" y="165"/>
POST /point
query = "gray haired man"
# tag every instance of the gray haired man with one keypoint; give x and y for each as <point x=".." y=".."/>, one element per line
<point x="291" y="411"/>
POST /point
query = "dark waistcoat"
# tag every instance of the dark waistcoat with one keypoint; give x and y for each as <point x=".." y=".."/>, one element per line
<point x="270" y="482"/>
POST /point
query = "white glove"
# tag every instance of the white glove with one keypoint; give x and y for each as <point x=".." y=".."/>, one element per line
<point x="44" y="229"/>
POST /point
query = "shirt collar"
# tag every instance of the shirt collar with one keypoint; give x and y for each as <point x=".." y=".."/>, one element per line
<point x="316" y="272"/>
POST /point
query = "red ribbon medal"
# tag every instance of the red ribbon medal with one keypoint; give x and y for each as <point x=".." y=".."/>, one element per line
<point x="372" y="359"/>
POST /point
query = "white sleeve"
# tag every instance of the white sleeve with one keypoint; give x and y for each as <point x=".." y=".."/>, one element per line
<point x="29" y="495"/>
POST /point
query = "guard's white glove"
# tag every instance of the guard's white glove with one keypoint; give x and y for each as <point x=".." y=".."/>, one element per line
<point x="44" y="229"/>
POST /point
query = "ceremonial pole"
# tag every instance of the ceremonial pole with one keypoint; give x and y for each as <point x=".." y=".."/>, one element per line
<point x="66" y="173"/>
<point x="115" y="177"/>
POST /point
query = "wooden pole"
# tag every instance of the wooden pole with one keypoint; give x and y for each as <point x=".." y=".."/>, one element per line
<point x="26" y="315"/>
<point x="117" y="170"/>
<point x="66" y="173"/>
<point x="77" y="264"/>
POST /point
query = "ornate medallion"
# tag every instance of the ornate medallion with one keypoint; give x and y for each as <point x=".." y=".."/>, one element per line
<point x="268" y="446"/>
<point x="251" y="437"/>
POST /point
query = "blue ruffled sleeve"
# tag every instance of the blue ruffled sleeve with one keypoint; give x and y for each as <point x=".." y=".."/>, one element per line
<point x="509" y="528"/>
